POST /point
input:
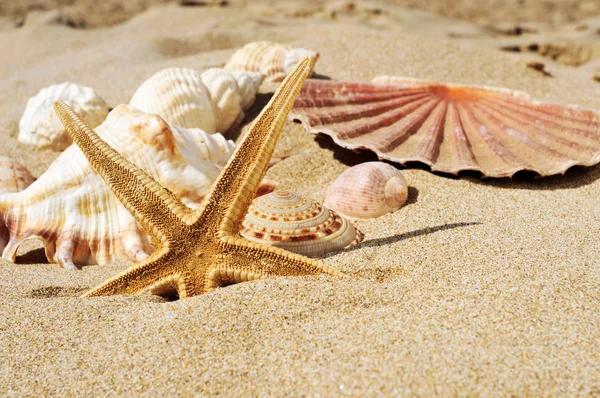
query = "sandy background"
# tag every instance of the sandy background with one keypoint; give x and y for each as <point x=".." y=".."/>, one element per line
<point x="474" y="288"/>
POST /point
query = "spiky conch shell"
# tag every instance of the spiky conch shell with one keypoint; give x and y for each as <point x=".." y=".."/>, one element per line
<point x="298" y="224"/>
<point x="39" y="124"/>
<point x="451" y="127"/>
<point x="14" y="177"/>
<point x="213" y="101"/>
<point x="367" y="190"/>
<point x="77" y="217"/>
<point x="274" y="60"/>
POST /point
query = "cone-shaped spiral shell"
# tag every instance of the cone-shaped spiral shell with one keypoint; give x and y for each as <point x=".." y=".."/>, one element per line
<point x="213" y="101"/>
<point x="297" y="224"/>
<point x="274" y="60"/>
<point x="367" y="190"/>
<point x="40" y="125"/>
<point x="13" y="176"/>
<point x="72" y="210"/>
<point x="451" y="127"/>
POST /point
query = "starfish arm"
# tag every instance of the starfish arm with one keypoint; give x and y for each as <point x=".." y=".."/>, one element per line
<point x="153" y="206"/>
<point x="138" y="277"/>
<point x="230" y="196"/>
<point x="265" y="260"/>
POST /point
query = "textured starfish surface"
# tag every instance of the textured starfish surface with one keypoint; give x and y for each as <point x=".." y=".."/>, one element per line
<point x="199" y="250"/>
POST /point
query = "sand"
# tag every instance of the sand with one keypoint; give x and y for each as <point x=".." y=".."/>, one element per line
<point x="475" y="287"/>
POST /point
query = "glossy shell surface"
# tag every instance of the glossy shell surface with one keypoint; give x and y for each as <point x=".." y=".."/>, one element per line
<point x="298" y="224"/>
<point x="367" y="190"/>
<point x="40" y="125"/>
<point x="451" y="128"/>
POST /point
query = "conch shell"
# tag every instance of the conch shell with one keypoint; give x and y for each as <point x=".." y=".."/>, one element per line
<point x="14" y="177"/>
<point x="213" y="101"/>
<point x="367" y="190"/>
<point x="298" y="224"/>
<point x="274" y="60"/>
<point x="40" y="126"/>
<point x="72" y="210"/>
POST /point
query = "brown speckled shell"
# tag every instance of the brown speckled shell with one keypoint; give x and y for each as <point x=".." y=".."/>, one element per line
<point x="495" y="131"/>
<point x="367" y="190"/>
<point x="297" y="224"/>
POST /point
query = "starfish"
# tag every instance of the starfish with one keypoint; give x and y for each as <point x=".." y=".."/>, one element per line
<point x="199" y="250"/>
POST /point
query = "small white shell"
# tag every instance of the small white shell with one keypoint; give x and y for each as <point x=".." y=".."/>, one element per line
<point x="13" y="176"/>
<point x="213" y="101"/>
<point x="367" y="190"/>
<point x="297" y="224"/>
<point x="40" y="125"/>
<point x="274" y="60"/>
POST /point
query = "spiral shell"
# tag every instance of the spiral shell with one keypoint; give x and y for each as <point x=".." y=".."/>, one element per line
<point x="40" y="126"/>
<point x="13" y="176"/>
<point x="74" y="212"/>
<point x="213" y="101"/>
<point x="274" y="60"/>
<point x="367" y="190"/>
<point x="297" y="224"/>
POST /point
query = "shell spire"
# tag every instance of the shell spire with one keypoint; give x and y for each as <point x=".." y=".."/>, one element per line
<point x="451" y="127"/>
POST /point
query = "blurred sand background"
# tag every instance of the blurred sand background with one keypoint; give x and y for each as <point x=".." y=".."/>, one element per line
<point x="475" y="287"/>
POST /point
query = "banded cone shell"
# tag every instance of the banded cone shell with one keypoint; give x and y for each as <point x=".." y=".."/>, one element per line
<point x="367" y="190"/>
<point x="213" y="101"/>
<point x="14" y="177"/>
<point x="40" y="126"/>
<point x="77" y="217"/>
<point x="451" y="127"/>
<point x="298" y="224"/>
<point x="273" y="60"/>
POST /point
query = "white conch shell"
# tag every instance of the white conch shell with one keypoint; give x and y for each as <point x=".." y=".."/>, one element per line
<point x="14" y="177"/>
<point x="274" y="60"/>
<point x="297" y="224"/>
<point x="213" y="101"/>
<point x="72" y="210"/>
<point x="40" y="125"/>
<point x="367" y="190"/>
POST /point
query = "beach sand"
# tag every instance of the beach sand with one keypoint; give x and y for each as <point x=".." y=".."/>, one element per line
<point x="475" y="287"/>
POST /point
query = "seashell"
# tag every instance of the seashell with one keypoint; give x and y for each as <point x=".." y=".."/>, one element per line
<point x="213" y="101"/>
<point x="297" y="224"/>
<point x="13" y="176"/>
<point x="74" y="213"/>
<point x="40" y="126"/>
<point x="451" y="127"/>
<point x="274" y="60"/>
<point x="367" y="190"/>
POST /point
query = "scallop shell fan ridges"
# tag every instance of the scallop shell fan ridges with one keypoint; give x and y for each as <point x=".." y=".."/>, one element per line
<point x="298" y="224"/>
<point x="451" y="127"/>
<point x="14" y="177"/>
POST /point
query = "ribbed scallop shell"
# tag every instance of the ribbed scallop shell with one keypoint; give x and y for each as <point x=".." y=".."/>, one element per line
<point x="14" y="177"/>
<point x="274" y="60"/>
<point x="213" y="101"/>
<point x="451" y="127"/>
<point x="40" y="125"/>
<point x="297" y="224"/>
<point x="72" y="210"/>
<point x="367" y="190"/>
